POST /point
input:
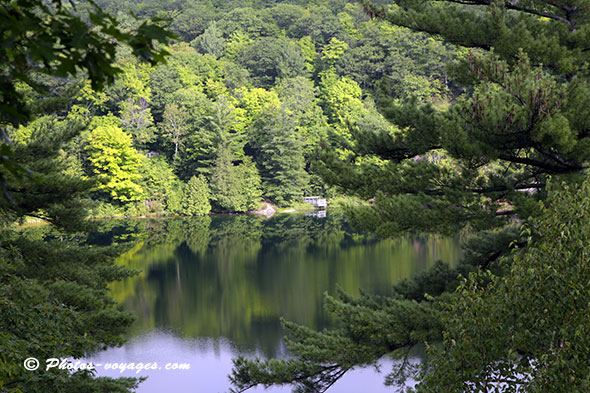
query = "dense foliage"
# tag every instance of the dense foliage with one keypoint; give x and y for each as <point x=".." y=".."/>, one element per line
<point x="480" y="168"/>
<point x="527" y="331"/>
<point x="50" y="38"/>
<point x="244" y="100"/>
<point x="54" y="301"/>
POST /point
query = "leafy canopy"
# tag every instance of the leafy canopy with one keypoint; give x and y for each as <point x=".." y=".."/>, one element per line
<point x="114" y="162"/>
<point x="56" y="38"/>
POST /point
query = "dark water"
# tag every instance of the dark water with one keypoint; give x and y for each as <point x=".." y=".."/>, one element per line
<point x="211" y="288"/>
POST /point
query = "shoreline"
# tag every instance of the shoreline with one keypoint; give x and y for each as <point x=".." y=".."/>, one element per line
<point x="263" y="212"/>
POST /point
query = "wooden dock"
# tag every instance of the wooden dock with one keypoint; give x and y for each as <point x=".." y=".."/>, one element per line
<point x="316" y="201"/>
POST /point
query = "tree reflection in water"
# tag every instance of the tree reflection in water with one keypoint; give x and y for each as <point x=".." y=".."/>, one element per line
<point x="233" y="277"/>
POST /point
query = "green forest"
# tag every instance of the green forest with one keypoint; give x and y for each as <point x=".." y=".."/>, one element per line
<point x="240" y="108"/>
<point x="457" y="118"/>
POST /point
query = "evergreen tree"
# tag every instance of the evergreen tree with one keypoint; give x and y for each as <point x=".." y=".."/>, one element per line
<point x="218" y="129"/>
<point x="211" y="42"/>
<point x="299" y="97"/>
<point x="234" y="188"/>
<point x="279" y="156"/>
<point x="481" y="167"/>
<point x="196" y="197"/>
<point x="527" y="331"/>
<point x="53" y="290"/>
<point x="175" y="198"/>
<point x="224" y="184"/>
<point x="250" y="184"/>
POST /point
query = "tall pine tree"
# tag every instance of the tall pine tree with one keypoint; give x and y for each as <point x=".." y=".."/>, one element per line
<point x="234" y="188"/>
<point x="278" y="152"/>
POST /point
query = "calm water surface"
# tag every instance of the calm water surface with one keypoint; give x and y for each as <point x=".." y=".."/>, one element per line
<point x="211" y="288"/>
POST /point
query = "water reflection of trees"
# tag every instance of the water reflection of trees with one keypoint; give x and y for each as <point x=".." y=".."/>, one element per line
<point x="234" y="276"/>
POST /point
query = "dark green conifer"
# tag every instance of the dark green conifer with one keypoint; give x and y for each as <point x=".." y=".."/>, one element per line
<point x="54" y="294"/>
<point x="196" y="193"/>
<point x="278" y="152"/>
<point x="234" y="188"/>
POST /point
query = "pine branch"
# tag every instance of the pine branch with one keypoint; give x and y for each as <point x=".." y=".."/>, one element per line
<point x="556" y="169"/>
<point x="515" y="7"/>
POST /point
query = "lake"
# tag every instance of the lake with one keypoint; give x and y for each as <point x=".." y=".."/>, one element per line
<point x="215" y="287"/>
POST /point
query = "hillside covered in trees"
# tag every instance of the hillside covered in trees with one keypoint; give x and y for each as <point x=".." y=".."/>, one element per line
<point x="238" y="112"/>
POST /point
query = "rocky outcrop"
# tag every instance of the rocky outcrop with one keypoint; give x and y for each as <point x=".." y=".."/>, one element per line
<point x="267" y="209"/>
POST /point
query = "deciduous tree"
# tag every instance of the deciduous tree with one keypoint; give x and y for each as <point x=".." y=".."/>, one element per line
<point x="114" y="163"/>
